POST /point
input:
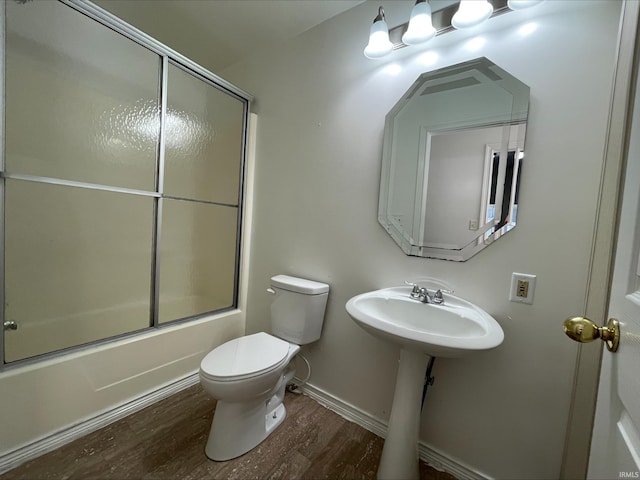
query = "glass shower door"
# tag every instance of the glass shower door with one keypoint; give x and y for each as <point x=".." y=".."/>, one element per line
<point x="80" y="168"/>
<point x="201" y="197"/>
<point x="77" y="263"/>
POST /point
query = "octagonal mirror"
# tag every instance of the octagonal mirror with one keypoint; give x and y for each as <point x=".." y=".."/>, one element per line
<point x="452" y="160"/>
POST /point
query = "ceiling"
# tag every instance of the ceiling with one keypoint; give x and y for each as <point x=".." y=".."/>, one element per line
<point x="219" y="33"/>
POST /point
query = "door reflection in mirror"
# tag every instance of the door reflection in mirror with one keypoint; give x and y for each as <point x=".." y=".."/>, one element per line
<point x="510" y="187"/>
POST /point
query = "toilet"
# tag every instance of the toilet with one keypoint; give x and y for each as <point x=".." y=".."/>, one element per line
<point x="248" y="375"/>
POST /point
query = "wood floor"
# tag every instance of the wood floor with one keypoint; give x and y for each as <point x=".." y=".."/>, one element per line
<point x="166" y="441"/>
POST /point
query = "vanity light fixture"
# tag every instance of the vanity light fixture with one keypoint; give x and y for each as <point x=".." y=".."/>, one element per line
<point x="379" y="44"/>
<point x="471" y="13"/>
<point x="420" y="28"/>
<point x="424" y="24"/>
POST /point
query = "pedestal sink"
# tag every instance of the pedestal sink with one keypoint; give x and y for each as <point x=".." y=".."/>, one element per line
<point x="451" y="329"/>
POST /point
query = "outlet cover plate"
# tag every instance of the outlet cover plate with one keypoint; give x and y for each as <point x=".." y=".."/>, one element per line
<point x="523" y="286"/>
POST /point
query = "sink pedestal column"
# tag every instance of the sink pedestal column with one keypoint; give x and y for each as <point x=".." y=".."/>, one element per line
<point x="400" y="452"/>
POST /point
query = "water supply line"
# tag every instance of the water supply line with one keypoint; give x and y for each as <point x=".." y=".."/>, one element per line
<point x="428" y="380"/>
<point x="297" y="387"/>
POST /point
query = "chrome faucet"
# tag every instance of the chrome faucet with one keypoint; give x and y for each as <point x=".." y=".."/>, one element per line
<point x="423" y="295"/>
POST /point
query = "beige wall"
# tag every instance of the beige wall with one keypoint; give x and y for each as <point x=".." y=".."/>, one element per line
<point x="322" y="106"/>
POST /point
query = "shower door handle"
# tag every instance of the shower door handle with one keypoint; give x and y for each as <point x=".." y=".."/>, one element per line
<point x="10" y="325"/>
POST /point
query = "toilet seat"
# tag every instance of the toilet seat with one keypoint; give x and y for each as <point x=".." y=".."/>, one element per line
<point x="245" y="357"/>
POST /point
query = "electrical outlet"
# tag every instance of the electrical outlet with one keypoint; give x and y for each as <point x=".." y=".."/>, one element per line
<point x="522" y="288"/>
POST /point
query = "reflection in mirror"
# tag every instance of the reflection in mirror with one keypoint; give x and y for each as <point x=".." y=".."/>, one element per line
<point x="452" y="160"/>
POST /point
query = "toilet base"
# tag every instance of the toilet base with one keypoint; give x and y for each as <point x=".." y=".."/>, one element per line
<point x="240" y="427"/>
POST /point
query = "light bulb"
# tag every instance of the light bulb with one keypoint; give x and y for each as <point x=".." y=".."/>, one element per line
<point x="379" y="44"/>
<point x="420" y="27"/>
<point x="471" y="13"/>
<point x="521" y="4"/>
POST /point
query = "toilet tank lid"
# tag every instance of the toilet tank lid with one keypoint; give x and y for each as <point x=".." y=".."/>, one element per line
<point x="299" y="285"/>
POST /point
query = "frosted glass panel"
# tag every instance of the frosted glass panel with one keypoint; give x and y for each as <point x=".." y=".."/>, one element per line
<point x="204" y="140"/>
<point x="77" y="266"/>
<point x="198" y="258"/>
<point x="81" y="99"/>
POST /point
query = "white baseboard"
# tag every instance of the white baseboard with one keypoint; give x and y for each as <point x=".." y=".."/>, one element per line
<point x="44" y="445"/>
<point x="441" y="462"/>
<point x="346" y="410"/>
<point x="430" y="455"/>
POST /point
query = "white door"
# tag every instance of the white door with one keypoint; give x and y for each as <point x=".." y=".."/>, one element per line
<point x="615" y="448"/>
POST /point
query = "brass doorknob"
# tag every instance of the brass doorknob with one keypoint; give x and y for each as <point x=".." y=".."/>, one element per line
<point x="583" y="330"/>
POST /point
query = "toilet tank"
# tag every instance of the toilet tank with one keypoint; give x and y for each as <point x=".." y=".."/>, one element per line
<point x="297" y="309"/>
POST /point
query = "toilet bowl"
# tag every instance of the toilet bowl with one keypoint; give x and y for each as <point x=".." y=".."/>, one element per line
<point x="248" y="375"/>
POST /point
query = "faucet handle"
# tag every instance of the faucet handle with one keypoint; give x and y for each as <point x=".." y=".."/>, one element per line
<point x="438" y="298"/>
<point x="416" y="287"/>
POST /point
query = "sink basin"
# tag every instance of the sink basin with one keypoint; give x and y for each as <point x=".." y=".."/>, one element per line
<point x="448" y="330"/>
